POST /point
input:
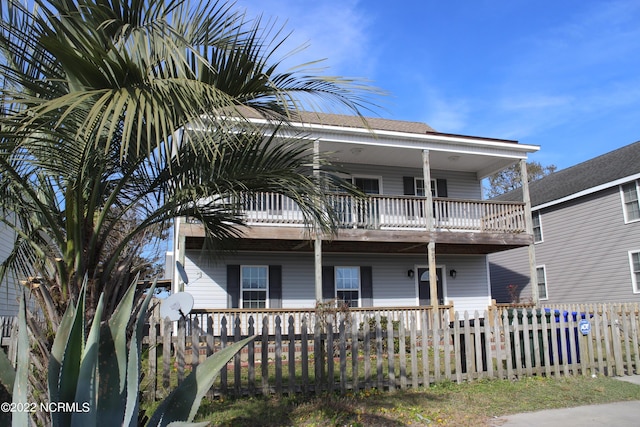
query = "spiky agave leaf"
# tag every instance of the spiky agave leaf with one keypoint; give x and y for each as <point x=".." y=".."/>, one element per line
<point x="184" y="401"/>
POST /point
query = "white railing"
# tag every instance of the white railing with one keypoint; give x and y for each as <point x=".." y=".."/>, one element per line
<point x="213" y="319"/>
<point x="393" y="212"/>
<point x="479" y="215"/>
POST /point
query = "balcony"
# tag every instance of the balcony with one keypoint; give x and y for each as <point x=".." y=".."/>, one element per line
<point x="377" y="212"/>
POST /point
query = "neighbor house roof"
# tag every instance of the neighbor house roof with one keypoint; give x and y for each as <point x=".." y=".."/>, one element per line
<point x="597" y="173"/>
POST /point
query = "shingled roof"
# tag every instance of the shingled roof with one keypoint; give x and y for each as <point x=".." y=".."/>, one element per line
<point x="598" y="171"/>
<point x="357" y="122"/>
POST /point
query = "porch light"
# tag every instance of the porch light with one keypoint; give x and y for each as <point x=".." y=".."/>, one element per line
<point x="453" y="274"/>
<point x="410" y="273"/>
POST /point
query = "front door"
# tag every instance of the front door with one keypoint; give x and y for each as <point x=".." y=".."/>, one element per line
<point x="424" y="288"/>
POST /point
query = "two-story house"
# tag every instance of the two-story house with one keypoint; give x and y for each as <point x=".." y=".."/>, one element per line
<point x="420" y="238"/>
<point x="587" y="234"/>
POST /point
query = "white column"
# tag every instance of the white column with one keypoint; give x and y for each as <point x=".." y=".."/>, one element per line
<point x="431" y="247"/>
<point x="318" y="237"/>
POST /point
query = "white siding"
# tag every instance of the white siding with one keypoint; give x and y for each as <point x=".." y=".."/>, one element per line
<point x="460" y="185"/>
<point x="8" y="294"/>
<point x="391" y="285"/>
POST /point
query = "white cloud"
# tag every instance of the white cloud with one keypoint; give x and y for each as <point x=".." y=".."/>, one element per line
<point x="333" y="30"/>
<point x="445" y="114"/>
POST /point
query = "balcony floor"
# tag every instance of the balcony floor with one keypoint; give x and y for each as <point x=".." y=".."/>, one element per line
<point x="295" y="239"/>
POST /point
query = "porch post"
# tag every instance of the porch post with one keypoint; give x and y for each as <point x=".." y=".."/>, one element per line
<point x="317" y="247"/>
<point x="426" y="173"/>
<point x="533" y="274"/>
<point x="318" y="267"/>
<point x="431" y="247"/>
<point x="433" y="277"/>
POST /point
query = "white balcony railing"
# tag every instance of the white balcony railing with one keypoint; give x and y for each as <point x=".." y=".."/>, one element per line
<point x="395" y="212"/>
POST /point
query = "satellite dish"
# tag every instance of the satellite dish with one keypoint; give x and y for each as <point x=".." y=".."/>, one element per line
<point x="182" y="272"/>
<point x="176" y="306"/>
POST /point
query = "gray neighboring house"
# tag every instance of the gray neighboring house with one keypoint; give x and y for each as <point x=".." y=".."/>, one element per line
<point x="586" y="231"/>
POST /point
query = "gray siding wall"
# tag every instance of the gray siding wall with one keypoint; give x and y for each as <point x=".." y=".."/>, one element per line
<point x="8" y="299"/>
<point x="460" y="185"/>
<point x="391" y="285"/>
<point x="585" y="251"/>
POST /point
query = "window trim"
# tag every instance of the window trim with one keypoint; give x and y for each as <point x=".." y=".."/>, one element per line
<point x="537" y="213"/>
<point x="434" y="186"/>
<point x="546" y="282"/>
<point x="335" y="282"/>
<point x="635" y="286"/>
<point x="242" y="289"/>
<point x="624" y="203"/>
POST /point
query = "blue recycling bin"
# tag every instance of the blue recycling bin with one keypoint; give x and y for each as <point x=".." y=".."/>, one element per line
<point x="568" y="335"/>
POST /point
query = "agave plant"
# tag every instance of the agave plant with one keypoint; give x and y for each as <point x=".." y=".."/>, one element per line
<point x="94" y="376"/>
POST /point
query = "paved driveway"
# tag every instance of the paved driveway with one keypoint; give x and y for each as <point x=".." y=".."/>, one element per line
<point x="619" y="414"/>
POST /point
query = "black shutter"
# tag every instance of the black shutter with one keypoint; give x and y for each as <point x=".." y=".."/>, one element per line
<point x="233" y="286"/>
<point x="409" y="185"/>
<point x="328" y="283"/>
<point x="275" y="286"/>
<point x="366" y="286"/>
<point x="441" y="186"/>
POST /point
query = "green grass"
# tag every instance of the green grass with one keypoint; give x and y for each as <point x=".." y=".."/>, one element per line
<point x="467" y="404"/>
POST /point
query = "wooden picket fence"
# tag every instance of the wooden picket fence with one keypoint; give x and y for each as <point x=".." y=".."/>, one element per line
<point x="301" y="354"/>
<point x="298" y="356"/>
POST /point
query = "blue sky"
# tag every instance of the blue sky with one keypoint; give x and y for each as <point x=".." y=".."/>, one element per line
<point x="564" y="75"/>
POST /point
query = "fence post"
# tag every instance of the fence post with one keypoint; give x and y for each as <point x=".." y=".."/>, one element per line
<point x="424" y="334"/>
<point x="355" y="371"/>
<point x="343" y="356"/>
<point x="180" y="348"/>
<point x="264" y="363"/>
<point x="223" y="344"/>
<point x="237" y="362"/>
<point x="251" y="357"/>
<point x="403" y="354"/>
<point x="305" y="354"/>
<point x="366" y="330"/>
<point x="414" y="352"/>
<point x="166" y="354"/>
<point x="330" y="365"/>
<point x="317" y="355"/>
<point x="390" y="351"/>
<point x="278" y="355"/>
<point x="379" y="374"/>
<point x="292" y="356"/>
<point x="435" y="327"/>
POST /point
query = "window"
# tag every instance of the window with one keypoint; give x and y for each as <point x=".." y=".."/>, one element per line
<point x="537" y="227"/>
<point x="348" y="285"/>
<point x="420" y="190"/>
<point x="630" y="200"/>
<point x="634" y="261"/>
<point x="253" y="286"/>
<point x="542" y="282"/>
<point x="367" y="185"/>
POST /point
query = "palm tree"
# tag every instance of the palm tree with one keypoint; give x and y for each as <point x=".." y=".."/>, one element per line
<point x="121" y="115"/>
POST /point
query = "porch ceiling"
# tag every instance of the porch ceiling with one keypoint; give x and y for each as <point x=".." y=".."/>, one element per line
<point x="480" y="164"/>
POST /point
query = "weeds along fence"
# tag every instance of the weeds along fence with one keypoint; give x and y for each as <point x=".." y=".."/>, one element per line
<point x="296" y="356"/>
